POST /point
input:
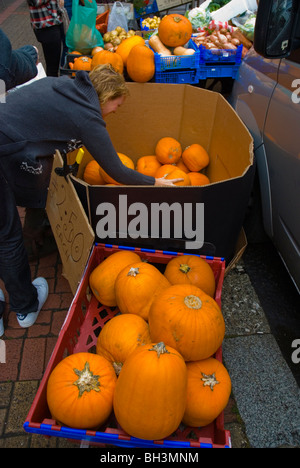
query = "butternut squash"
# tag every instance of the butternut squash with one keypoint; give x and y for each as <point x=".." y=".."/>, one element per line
<point x="183" y="51"/>
<point x="156" y="44"/>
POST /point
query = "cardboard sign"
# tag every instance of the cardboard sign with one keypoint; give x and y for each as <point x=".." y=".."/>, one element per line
<point x="73" y="234"/>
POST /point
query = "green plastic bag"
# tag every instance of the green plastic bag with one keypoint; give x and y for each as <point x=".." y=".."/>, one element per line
<point x="82" y="34"/>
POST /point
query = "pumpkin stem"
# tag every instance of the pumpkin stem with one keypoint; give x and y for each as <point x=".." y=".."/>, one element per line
<point x="209" y="380"/>
<point x="193" y="302"/>
<point x="177" y="19"/>
<point x="133" y="271"/>
<point x="117" y="367"/>
<point x="86" y="381"/>
<point x="184" y="268"/>
<point x="160" y="348"/>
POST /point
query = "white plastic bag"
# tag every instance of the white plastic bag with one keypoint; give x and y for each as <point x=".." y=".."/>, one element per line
<point x="117" y="17"/>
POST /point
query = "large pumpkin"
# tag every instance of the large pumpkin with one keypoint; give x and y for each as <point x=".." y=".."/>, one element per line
<point x="148" y="165"/>
<point x="125" y="47"/>
<point x="168" y="150"/>
<point x="120" y="336"/>
<point x="208" y="392"/>
<point x="126" y="160"/>
<point x="170" y="171"/>
<point x="105" y="56"/>
<point x="103" y="277"/>
<point x="80" y="391"/>
<point x="92" y="174"/>
<point x="195" y="157"/>
<point x="190" y="269"/>
<point x="136" y="286"/>
<point x="175" y="30"/>
<point x="150" y="395"/>
<point x="187" y="319"/>
<point x="140" y="64"/>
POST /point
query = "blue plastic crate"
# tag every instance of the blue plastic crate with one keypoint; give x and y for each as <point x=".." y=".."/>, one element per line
<point x="175" y="62"/>
<point x="148" y="9"/>
<point x="177" y="76"/>
<point x="217" y="71"/>
<point x="208" y="56"/>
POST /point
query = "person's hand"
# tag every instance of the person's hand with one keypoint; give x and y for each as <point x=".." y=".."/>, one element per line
<point x="162" y="182"/>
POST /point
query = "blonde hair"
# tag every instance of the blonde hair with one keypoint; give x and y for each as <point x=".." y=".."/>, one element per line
<point x="108" y="83"/>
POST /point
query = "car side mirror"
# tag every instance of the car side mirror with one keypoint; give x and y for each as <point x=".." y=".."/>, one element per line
<point x="277" y="28"/>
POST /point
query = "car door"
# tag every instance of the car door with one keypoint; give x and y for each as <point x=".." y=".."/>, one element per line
<point x="282" y="147"/>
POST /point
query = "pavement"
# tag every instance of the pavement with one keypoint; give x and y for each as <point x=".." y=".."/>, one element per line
<point x="264" y="408"/>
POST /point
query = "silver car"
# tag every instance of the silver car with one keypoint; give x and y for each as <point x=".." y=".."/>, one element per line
<point x="266" y="96"/>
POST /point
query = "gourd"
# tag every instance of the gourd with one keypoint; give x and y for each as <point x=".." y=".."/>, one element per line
<point x="136" y="287"/>
<point x="80" y="390"/>
<point x="197" y="178"/>
<point x="195" y="157"/>
<point x="125" y="47"/>
<point x="81" y="63"/>
<point x="92" y="174"/>
<point x="126" y="160"/>
<point x="148" y="165"/>
<point x="175" y="30"/>
<point x="140" y="64"/>
<point x="150" y="394"/>
<point x="187" y="319"/>
<point x="120" y="336"/>
<point x="168" y="150"/>
<point x="106" y="56"/>
<point x="158" y="47"/>
<point x="183" y="51"/>
<point x="191" y="269"/>
<point x="208" y="392"/>
<point x="103" y="277"/>
<point x="170" y="171"/>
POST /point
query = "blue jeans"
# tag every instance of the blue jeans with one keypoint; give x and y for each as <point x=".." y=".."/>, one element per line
<point x="14" y="266"/>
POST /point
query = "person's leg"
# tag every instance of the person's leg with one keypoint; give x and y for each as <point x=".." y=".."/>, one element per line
<point x="51" y="40"/>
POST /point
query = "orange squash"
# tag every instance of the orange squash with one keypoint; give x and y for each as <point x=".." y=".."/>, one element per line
<point x="195" y="157"/>
<point x="208" y="392"/>
<point x="168" y="150"/>
<point x="103" y="277"/>
<point x="150" y="394"/>
<point x="187" y="319"/>
<point x="136" y="287"/>
<point x="180" y="164"/>
<point x="106" y="56"/>
<point x="81" y="63"/>
<point x="190" y="269"/>
<point x="92" y="174"/>
<point x="170" y="171"/>
<point x="120" y="336"/>
<point x="126" y="160"/>
<point x="197" y="178"/>
<point x="125" y="47"/>
<point x="80" y="391"/>
<point x="140" y="64"/>
<point x="175" y="30"/>
<point x="148" y="165"/>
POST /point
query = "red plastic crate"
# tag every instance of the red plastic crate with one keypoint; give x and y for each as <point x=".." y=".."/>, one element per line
<point x="84" y="321"/>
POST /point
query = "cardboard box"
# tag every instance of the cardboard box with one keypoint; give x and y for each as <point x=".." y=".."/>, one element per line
<point x="180" y="218"/>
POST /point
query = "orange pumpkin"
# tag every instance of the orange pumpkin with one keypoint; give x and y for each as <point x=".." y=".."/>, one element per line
<point x="103" y="277"/>
<point x="140" y="64"/>
<point x="150" y="394"/>
<point x="126" y="160"/>
<point x="81" y="63"/>
<point x="92" y="174"/>
<point x="106" y="56"/>
<point x="148" y="165"/>
<point x="180" y="164"/>
<point x="125" y="47"/>
<point x="120" y="336"/>
<point x="136" y="286"/>
<point x="190" y="269"/>
<point x="208" y="392"/>
<point x="170" y="171"/>
<point x="197" y="178"/>
<point x="187" y="319"/>
<point x="195" y="157"/>
<point x="80" y="391"/>
<point x="175" y="30"/>
<point x="168" y="150"/>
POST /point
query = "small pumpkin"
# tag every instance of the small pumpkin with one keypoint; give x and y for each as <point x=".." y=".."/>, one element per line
<point x="195" y="157"/>
<point x="125" y="47"/>
<point x="103" y="277"/>
<point x="208" y="392"/>
<point x="150" y="394"/>
<point x="80" y="390"/>
<point x="170" y="171"/>
<point x="168" y="150"/>
<point x="106" y="56"/>
<point x="175" y="30"/>
<point x="126" y="160"/>
<point x="148" y="165"/>
<point x="92" y="174"/>
<point x="120" y="336"/>
<point x="81" y="63"/>
<point x="187" y="319"/>
<point x="140" y="64"/>
<point x="191" y="269"/>
<point x="136" y="287"/>
<point x="180" y="164"/>
<point x="197" y="178"/>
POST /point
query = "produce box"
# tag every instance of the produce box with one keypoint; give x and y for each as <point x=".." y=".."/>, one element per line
<point x="82" y="326"/>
